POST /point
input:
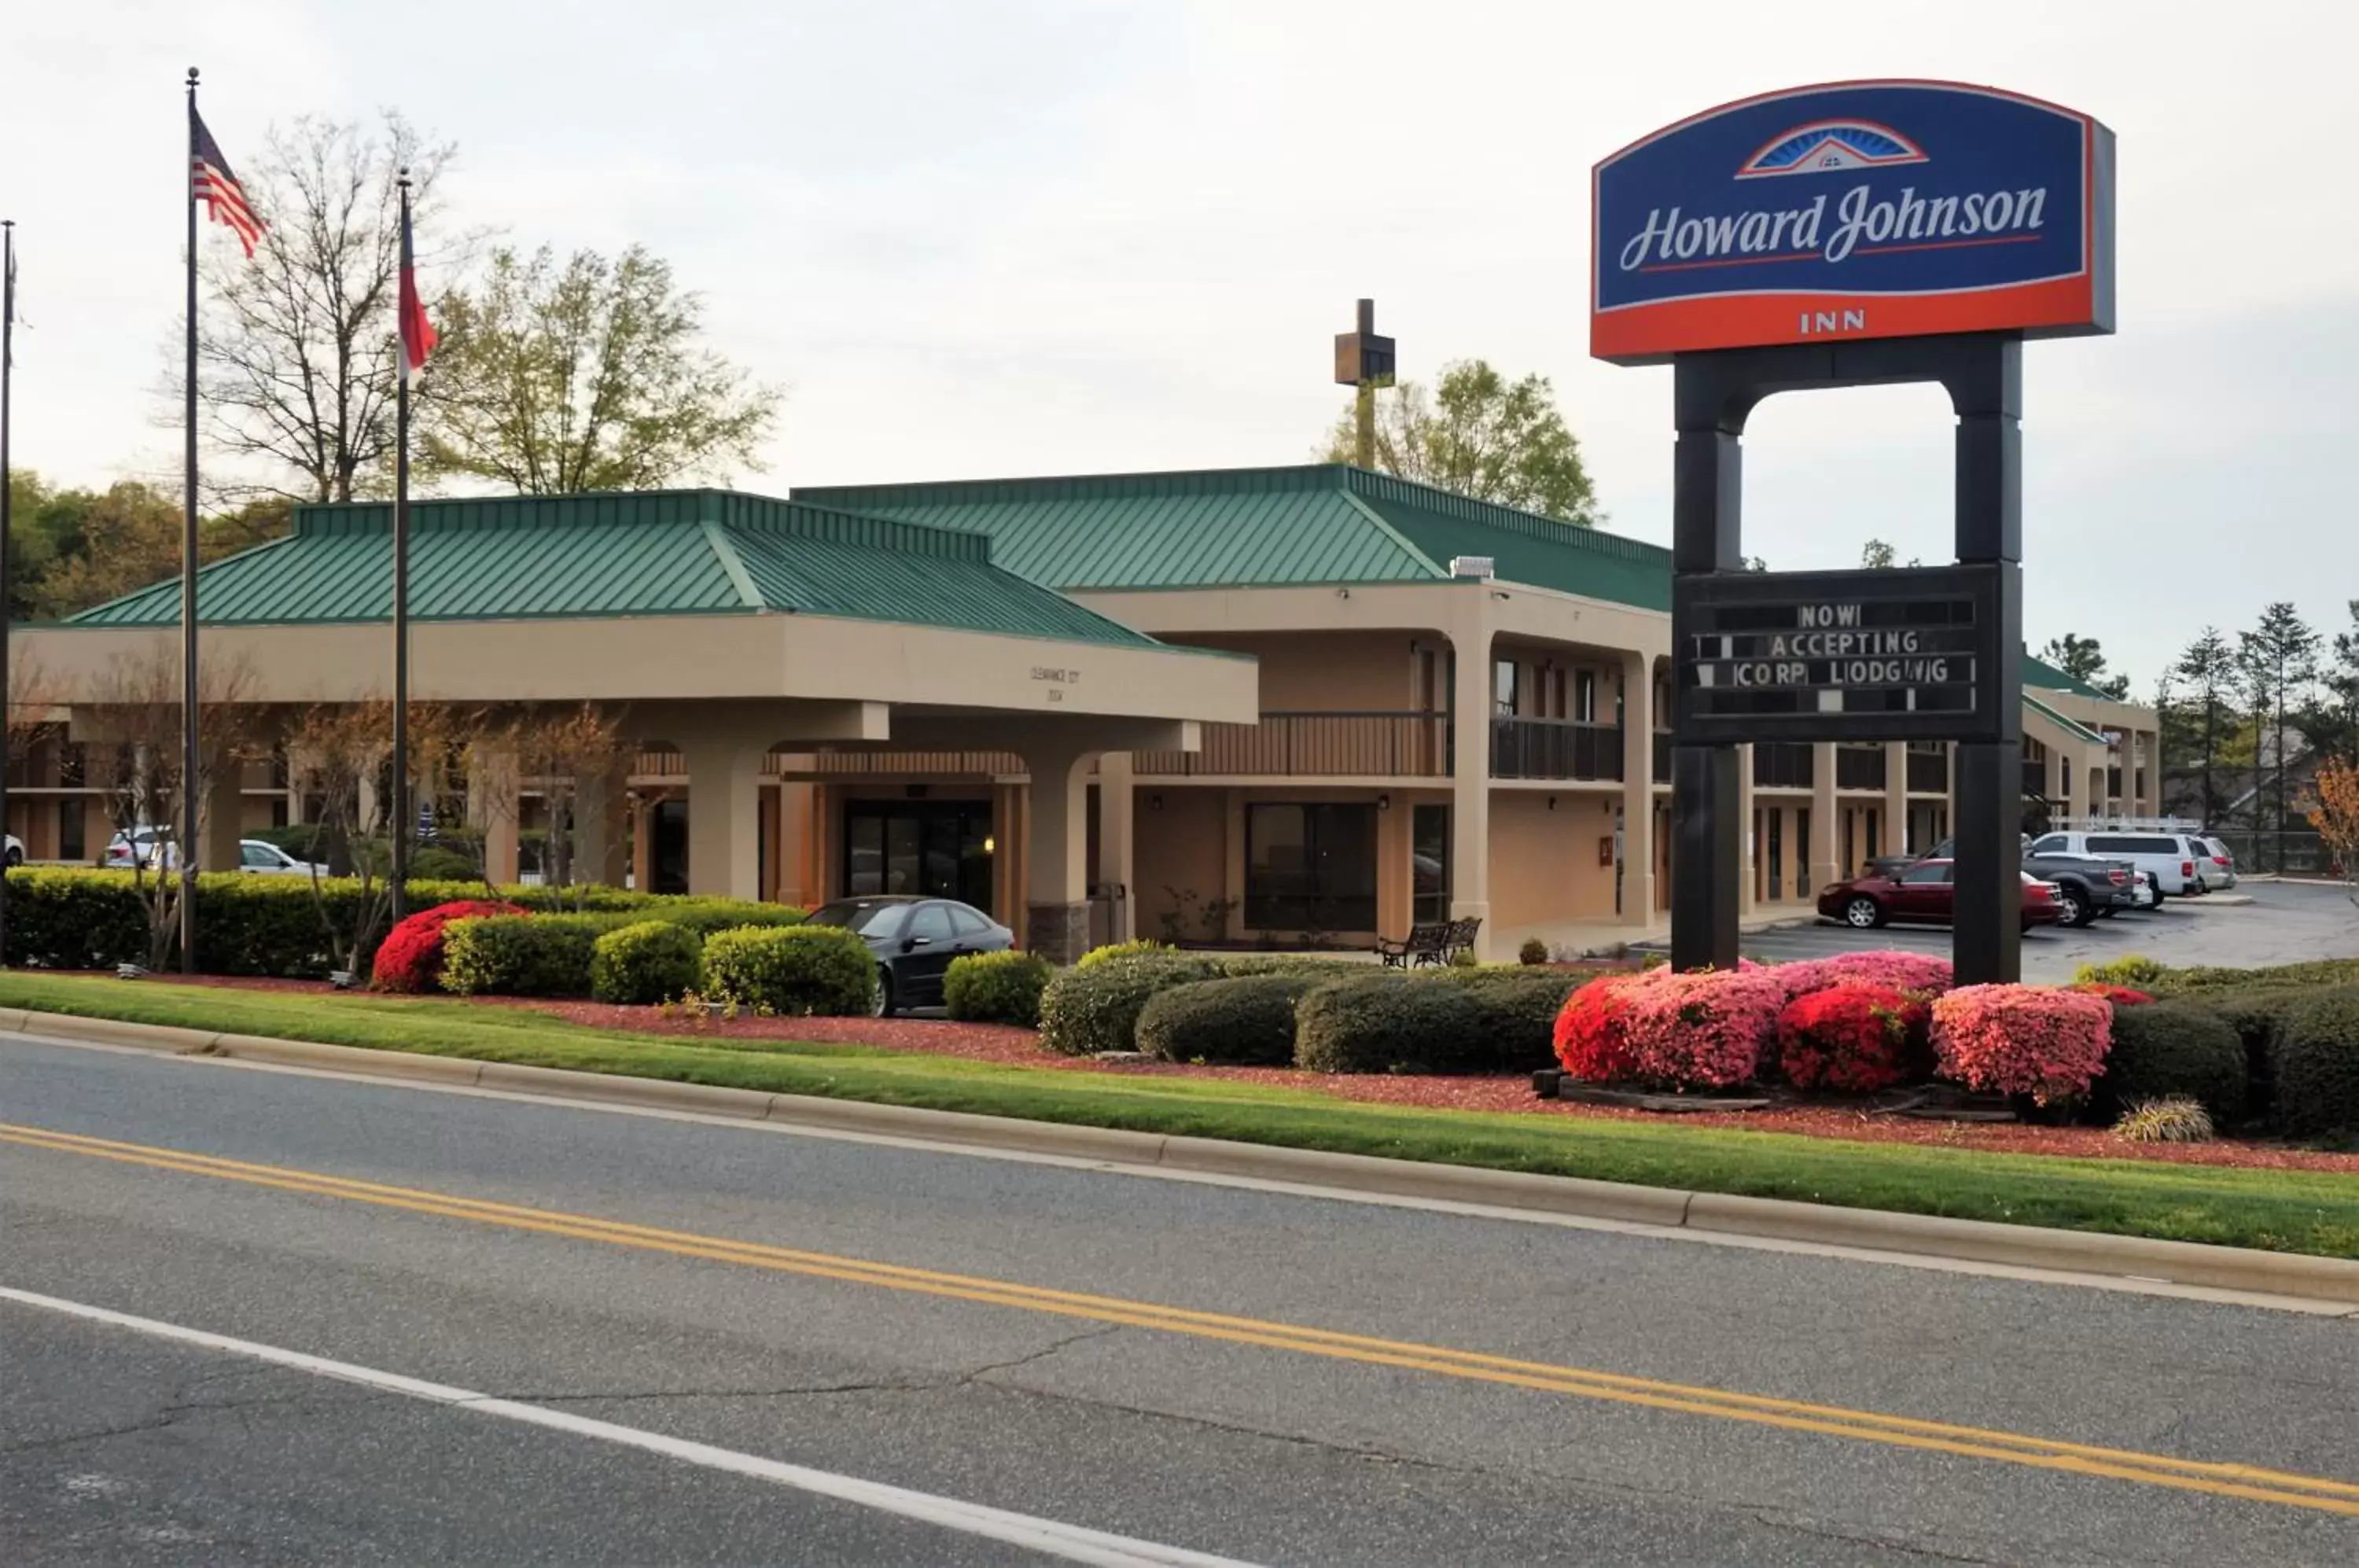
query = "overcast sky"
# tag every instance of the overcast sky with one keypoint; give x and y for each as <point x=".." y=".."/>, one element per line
<point x="983" y="237"/>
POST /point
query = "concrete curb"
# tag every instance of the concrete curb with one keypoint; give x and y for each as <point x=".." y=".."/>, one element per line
<point x="1978" y="1241"/>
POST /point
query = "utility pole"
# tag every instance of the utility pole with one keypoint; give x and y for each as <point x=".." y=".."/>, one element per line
<point x="1364" y="362"/>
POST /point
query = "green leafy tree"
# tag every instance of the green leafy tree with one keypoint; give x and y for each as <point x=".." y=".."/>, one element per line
<point x="2080" y="658"/>
<point x="2200" y="722"/>
<point x="2332" y="722"/>
<point x="296" y="348"/>
<point x="1876" y="556"/>
<point x="2279" y="659"/>
<point x="1479" y="435"/>
<point x="586" y="374"/>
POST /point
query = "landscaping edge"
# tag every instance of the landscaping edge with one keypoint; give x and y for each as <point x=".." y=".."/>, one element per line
<point x="1978" y="1241"/>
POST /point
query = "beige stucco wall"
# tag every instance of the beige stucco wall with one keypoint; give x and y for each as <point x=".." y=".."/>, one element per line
<point x="1544" y="863"/>
<point x="1180" y="844"/>
<point x="1368" y="671"/>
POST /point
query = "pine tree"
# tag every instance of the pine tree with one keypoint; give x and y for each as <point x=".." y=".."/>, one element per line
<point x="2279" y="659"/>
<point x="2210" y="670"/>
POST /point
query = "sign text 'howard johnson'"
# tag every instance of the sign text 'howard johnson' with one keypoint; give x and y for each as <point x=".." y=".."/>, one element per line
<point x="1883" y="209"/>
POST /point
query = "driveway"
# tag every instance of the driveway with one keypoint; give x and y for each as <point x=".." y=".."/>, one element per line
<point x="2285" y="923"/>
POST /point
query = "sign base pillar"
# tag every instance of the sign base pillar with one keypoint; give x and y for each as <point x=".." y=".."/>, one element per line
<point x="1707" y="846"/>
<point x="1986" y="944"/>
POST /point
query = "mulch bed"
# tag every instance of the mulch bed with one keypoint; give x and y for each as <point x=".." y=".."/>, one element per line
<point x="1018" y="1047"/>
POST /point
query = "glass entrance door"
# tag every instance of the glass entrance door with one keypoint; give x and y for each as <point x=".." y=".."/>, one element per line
<point x="935" y="849"/>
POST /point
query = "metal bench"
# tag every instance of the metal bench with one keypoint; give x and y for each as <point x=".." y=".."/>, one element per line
<point x="1425" y="943"/>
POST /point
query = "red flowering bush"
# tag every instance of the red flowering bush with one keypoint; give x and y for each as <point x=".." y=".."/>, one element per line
<point x="410" y="957"/>
<point x="1703" y="1031"/>
<point x="1852" y="1037"/>
<point x="2119" y="995"/>
<point x="1923" y="972"/>
<point x="1590" y="1039"/>
<point x="2023" y="1040"/>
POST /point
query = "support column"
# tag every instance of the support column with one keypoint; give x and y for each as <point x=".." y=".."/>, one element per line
<point x="1116" y="868"/>
<point x="1469" y="776"/>
<point x="1988" y="939"/>
<point x="1826" y="819"/>
<point x="493" y="803"/>
<point x="1057" y="909"/>
<point x="798" y="846"/>
<point x="1638" y="789"/>
<point x="1896" y="799"/>
<point x="725" y="818"/>
<point x="221" y="819"/>
<point x="1749" y="857"/>
<point x="643" y="852"/>
<point x="1708" y="820"/>
<point x="600" y="807"/>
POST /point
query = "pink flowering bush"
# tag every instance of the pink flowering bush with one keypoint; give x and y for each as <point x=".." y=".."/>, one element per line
<point x="2043" y="1042"/>
<point x="1924" y="972"/>
<point x="1592" y="1038"/>
<point x="1704" y="1030"/>
<point x="1853" y="1037"/>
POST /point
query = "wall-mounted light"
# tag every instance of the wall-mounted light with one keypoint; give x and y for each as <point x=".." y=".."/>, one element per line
<point x="1343" y="593"/>
<point x="990" y="845"/>
<point x="1605" y="806"/>
<point x="1155" y="802"/>
<point x="1383" y="802"/>
<point x="1551" y="803"/>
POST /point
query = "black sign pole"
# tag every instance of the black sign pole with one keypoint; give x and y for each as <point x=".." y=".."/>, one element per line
<point x="1986" y="389"/>
<point x="1707" y="537"/>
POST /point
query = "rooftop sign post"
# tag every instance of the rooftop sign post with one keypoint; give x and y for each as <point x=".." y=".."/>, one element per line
<point x="1852" y="234"/>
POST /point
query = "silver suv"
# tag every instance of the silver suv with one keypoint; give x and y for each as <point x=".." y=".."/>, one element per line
<point x="2174" y="861"/>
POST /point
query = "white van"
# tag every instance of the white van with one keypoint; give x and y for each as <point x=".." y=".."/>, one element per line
<point x="2174" y="861"/>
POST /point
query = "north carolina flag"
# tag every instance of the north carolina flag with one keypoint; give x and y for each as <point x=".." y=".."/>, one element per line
<point x="418" y="334"/>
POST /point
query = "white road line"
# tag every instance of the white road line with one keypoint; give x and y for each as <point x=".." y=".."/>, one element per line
<point x="1048" y="1537"/>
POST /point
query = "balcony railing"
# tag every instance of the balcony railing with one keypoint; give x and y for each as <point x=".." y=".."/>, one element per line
<point x="1555" y="749"/>
<point x="1859" y="767"/>
<point x="1782" y="765"/>
<point x="1315" y="745"/>
<point x="1929" y="772"/>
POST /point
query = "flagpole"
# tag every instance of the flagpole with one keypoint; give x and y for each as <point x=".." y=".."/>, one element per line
<point x="402" y="825"/>
<point x="7" y="374"/>
<point x="187" y="846"/>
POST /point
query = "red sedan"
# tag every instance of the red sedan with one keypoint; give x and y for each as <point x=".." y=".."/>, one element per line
<point x="1924" y="892"/>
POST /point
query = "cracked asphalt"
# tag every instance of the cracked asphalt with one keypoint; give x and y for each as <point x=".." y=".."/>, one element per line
<point x="118" y="1448"/>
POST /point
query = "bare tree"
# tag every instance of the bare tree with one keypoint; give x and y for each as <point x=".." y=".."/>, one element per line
<point x="137" y="704"/>
<point x="296" y="354"/>
<point x="561" y="752"/>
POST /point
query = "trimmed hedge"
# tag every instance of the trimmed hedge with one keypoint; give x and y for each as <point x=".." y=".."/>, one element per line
<point x="522" y="955"/>
<point x="2316" y="1065"/>
<point x="1093" y="1007"/>
<point x="1516" y="1013"/>
<point x="2166" y="1049"/>
<point x="996" y="988"/>
<point x="794" y="971"/>
<point x="2206" y="977"/>
<point x="1246" y="1020"/>
<point x="1388" y="1023"/>
<point x="646" y="962"/>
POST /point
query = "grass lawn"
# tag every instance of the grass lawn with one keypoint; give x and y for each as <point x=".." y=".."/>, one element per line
<point x="2288" y="1211"/>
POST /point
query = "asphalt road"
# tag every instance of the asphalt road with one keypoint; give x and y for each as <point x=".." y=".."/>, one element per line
<point x="1267" y="1376"/>
<point x="2283" y="924"/>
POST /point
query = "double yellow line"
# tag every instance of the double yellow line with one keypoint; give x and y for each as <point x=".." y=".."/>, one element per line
<point x="2243" y="1481"/>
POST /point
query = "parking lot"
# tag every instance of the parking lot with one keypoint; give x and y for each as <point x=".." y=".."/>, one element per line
<point x="2283" y="924"/>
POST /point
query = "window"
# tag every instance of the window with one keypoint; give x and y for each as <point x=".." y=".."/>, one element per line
<point x="1801" y="852"/>
<point x="966" y="923"/>
<point x="259" y="857"/>
<point x="1310" y="867"/>
<point x="931" y="923"/>
<point x="864" y="916"/>
<point x="1926" y="875"/>
<point x="1503" y="687"/>
<point x="1429" y="863"/>
<point x="1776" y="853"/>
<point x="71" y="821"/>
<point x="2054" y="843"/>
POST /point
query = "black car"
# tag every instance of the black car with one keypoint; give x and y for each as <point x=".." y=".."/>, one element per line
<point x="915" y="941"/>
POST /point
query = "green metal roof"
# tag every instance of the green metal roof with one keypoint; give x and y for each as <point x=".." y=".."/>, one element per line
<point x="663" y="552"/>
<point x="2072" y="727"/>
<point x="1263" y="528"/>
<point x="2038" y="672"/>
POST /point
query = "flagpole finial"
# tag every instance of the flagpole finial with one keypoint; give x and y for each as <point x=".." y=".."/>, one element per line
<point x="192" y="79"/>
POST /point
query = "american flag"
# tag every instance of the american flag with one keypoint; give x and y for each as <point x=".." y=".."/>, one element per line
<point x="218" y="189"/>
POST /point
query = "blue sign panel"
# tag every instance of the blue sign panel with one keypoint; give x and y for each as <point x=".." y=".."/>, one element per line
<point x="1860" y="209"/>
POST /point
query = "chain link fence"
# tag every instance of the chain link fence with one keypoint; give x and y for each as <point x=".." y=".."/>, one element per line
<point x="2292" y="852"/>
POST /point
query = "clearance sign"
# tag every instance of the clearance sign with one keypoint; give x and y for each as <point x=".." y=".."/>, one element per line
<point x="1856" y="210"/>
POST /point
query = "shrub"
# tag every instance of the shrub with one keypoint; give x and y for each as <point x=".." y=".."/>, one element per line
<point x="1703" y="1031"/>
<point x="1852" y="1037"/>
<point x="646" y="962"/>
<point x="2031" y="1041"/>
<point x="1926" y="973"/>
<point x="2316" y="1065"/>
<point x="1248" y="1019"/>
<point x="2173" y="1051"/>
<point x="996" y="987"/>
<point x="520" y="955"/>
<point x="793" y="970"/>
<point x="2119" y="995"/>
<point x="1515" y="1012"/>
<point x="75" y="920"/>
<point x="2175" y="1120"/>
<point x="1591" y="1039"/>
<point x="1095" y="1006"/>
<point x="1115" y="952"/>
<point x="1534" y="951"/>
<point x="1386" y="1023"/>
<point x="2135" y="969"/>
<point x="410" y="957"/>
<point x="2259" y="1016"/>
<point x="2312" y="972"/>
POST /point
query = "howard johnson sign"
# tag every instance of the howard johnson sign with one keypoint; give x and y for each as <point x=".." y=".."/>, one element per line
<point x="1860" y="210"/>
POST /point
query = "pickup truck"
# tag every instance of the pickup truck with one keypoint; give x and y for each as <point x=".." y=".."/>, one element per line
<point x="2087" y="887"/>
